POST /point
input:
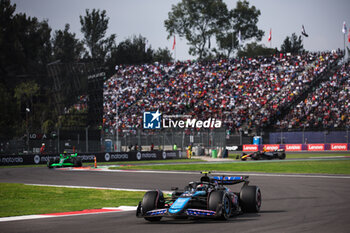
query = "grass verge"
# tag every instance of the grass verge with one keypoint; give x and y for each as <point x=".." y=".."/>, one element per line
<point x="119" y="163"/>
<point x="20" y="199"/>
<point x="147" y="162"/>
<point x="316" y="167"/>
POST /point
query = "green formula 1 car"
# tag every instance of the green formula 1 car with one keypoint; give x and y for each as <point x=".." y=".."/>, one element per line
<point x="65" y="160"/>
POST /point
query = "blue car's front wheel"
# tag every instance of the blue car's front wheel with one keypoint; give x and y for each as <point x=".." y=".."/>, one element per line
<point x="220" y="201"/>
<point x="152" y="200"/>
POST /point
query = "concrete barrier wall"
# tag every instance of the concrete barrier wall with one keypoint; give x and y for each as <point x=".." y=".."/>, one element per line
<point x="35" y="159"/>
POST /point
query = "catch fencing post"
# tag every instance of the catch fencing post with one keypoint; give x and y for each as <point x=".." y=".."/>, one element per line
<point x="87" y="138"/>
<point x="139" y="137"/>
<point x="58" y="140"/>
<point x="182" y="141"/>
<point x="240" y="138"/>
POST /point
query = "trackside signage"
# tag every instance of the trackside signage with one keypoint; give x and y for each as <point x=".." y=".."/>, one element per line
<point x="271" y="147"/>
<point x="299" y="147"/>
<point x="293" y="147"/>
<point x="250" y="147"/>
<point x="339" y="147"/>
<point x="315" y="147"/>
<point x="89" y="157"/>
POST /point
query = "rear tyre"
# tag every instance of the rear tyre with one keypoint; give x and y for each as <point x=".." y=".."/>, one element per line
<point x="219" y="199"/>
<point x="50" y="162"/>
<point x="152" y="200"/>
<point x="250" y="199"/>
<point x="281" y="155"/>
<point x="77" y="162"/>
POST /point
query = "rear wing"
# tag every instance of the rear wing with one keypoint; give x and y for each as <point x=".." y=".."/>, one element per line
<point x="230" y="179"/>
<point x="223" y="179"/>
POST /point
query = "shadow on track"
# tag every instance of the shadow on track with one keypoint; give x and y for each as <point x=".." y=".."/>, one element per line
<point x="239" y="218"/>
<point x="290" y="198"/>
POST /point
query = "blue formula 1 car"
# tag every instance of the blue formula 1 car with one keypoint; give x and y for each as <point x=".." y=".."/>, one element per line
<point x="207" y="198"/>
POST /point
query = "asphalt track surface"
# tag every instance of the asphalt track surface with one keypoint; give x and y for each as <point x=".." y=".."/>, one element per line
<point x="290" y="204"/>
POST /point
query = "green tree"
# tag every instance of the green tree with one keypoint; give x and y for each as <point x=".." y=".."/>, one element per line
<point x="47" y="126"/>
<point x="197" y="21"/>
<point x="8" y="41"/>
<point x="25" y="46"/>
<point x="65" y="46"/>
<point x="25" y="93"/>
<point x="227" y="42"/>
<point x="244" y="19"/>
<point x="162" y="55"/>
<point x="253" y="50"/>
<point x="94" y="26"/>
<point x="74" y="119"/>
<point x="292" y="44"/>
<point x="25" y="49"/>
<point x="132" y="51"/>
<point x="9" y="115"/>
<point x="32" y="45"/>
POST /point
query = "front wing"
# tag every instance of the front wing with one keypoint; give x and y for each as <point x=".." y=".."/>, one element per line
<point x="186" y="212"/>
<point x="199" y="213"/>
<point x="62" y="165"/>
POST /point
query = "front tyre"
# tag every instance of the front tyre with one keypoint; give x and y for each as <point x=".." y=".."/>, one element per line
<point x="220" y="201"/>
<point x="250" y="199"/>
<point x="152" y="200"/>
<point x="256" y="156"/>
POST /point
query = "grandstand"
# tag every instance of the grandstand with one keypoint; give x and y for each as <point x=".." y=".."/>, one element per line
<point x="248" y="94"/>
<point x="284" y="99"/>
<point x="327" y="106"/>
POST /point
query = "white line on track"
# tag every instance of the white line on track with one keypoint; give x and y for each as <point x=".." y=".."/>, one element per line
<point x="89" y="187"/>
<point x="236" y="173"/>
<point x="25" y="217"/>
<point x="107" y="209"/>
<point x="106" y="169"/>
<point x="104" y="210"/>
<point x="92" y="187"/>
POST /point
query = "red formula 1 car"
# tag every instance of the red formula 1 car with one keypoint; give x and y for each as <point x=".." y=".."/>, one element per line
<point x="260" y="155"/>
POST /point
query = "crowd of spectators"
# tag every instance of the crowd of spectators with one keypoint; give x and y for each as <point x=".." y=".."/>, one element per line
<point x="328" y="106"/>
<point x="81" y="104"/>
<point x="244" y="92"/>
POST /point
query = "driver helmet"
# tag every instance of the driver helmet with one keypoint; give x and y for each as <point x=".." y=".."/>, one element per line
<point x="201" y="187"/>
